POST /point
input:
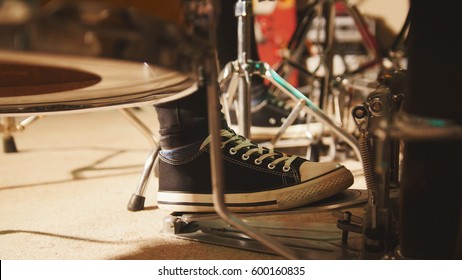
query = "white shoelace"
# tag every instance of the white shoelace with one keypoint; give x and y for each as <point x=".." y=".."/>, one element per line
<point x="251" y="149"/>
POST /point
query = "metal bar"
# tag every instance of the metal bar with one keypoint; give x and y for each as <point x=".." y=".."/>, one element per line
<point x="136" y="202"/>
<point x="409" y="127"/>
<point x="268" y="73"/>
<point x="361" y="24"/>
<point x="216" y="156"/>
<point x="140" y="126"/>
<point x="217" y="175"/>
<point x="288" y="122"/>
<point x="22" y="124"/>
<point x="328" y="53"/>
<point x="243" y="13"/>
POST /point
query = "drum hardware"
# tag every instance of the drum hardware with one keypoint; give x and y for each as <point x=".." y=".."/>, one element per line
<point x="216" y="157"/>
<point x="290" y="119"/>
<point x="381" y="126"/>
<point x="348" y="223"/>
<point x="379" y="229"/>
<point x="145" y="85"/>
<point x="310" y="231"/>
<point x="242" y="68"/>
<point x="135" y="89"/>
<point x="136" y="202"/>
<point x="321" y="14"/>
<point x="380" y="155"/>
<point x="240" y="71"/>
<point x="81" y="29"/>
<point x="378" y="225"/>
<point x="111" y="93"/>
<point x="265" y="71"/>
<point x="379" y="131"/>
<point x="8" y="126"/>
<point x="243" y="10"/>
<point x="409" y="127"/>
<point x="134" y="85"/>
<point x="399" y="126"/>
<point x="397" y="50"/>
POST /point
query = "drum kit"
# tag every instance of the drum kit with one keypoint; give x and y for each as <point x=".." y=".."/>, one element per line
<point x="77" y="58"/>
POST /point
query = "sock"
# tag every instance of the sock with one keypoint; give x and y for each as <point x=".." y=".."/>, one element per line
<point x="181" y="153"/>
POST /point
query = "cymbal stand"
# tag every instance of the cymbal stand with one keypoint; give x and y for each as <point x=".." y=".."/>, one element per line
<point x="216" y="157"/>
<point x="136" y="202"/>
<point x="8" y="126"/>
<point x="265" y="71"/>
<point x="242" y="10"/>
<point x="243" y="68"/>
<point x="398" y="48"/>
<point x="325" y="10"/>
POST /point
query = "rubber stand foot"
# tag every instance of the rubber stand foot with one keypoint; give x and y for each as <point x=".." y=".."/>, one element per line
<point x="9" y="146"/>
<point x="136" y="203"/>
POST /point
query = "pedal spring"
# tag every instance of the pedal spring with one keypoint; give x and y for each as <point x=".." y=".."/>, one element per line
<point x="368" y="161"/>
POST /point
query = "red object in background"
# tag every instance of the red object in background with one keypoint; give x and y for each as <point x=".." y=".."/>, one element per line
<point x="275" y="31"/>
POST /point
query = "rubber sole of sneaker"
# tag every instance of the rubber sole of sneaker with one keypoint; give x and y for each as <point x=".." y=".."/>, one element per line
<point x="281" y="199"/>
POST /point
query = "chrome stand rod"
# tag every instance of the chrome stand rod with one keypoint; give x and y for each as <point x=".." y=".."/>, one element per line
<point x="272" y="76"/>
<point x="216" y="156"/>
<point x="217" y="175"/>
<point x="288" y="122"/>
<point x="137" y="200"/>
<point x="243" y="12"/>
<point x="140" y="126"/>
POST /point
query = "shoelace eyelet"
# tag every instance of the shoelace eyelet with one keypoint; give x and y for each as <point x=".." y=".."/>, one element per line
<point x="257" y="161"/>
<point x="244" y="157"/>
<point x="232" y="151"/>
<point x="271" y="166"/>
<point x="286" y="169"/>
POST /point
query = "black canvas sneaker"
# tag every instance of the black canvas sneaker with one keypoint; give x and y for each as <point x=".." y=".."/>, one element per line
<point x="256" y="179"/>
<point x="267" y="118"/>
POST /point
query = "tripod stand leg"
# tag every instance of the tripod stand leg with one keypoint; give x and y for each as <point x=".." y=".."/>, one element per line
<point x="136" y="202"/>
<point x="9" y="145"/>
<point x="243" y="9"/>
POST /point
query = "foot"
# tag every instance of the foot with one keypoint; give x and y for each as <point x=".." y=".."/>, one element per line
<point x="256" y="179"/>
<point x="267" y="118"/>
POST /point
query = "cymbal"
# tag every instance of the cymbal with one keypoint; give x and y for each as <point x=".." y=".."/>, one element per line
<point x="45" y="83"/>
